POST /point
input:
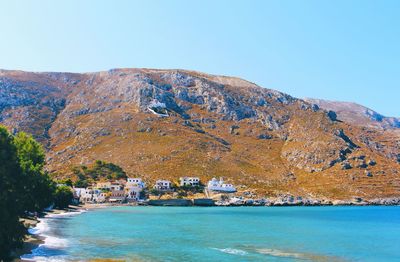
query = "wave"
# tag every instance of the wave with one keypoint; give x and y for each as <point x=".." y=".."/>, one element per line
<point x="40" y="228"/>
<point x="66" y="214"/>
<point x="232" y="251"/>
<point x="53" y="247"/>
<point x="44" y="259"/>
<point x="55" y="242"/>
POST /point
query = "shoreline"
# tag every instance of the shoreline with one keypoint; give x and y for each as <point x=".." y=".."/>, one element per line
<point x="277" y="201"/>
<point x="32" y="240"/>
<point x="269" y="203"/>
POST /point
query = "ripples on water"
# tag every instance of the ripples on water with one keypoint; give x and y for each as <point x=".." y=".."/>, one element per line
<point x="222" y="234"/>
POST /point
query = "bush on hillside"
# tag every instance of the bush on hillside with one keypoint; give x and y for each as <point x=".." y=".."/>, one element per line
<point x="100" y="170"/>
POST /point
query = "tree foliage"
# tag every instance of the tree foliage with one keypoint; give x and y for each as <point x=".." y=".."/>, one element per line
<point x="11" y="231"/>
<point x="63" y="197"/>
<point x="24" y="186"/>
<point x="38" y="187"/>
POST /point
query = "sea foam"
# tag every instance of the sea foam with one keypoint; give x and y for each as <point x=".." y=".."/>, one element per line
<point x="44" y="259"/>
<point x="66" y="214"/>
<point x="52" y="244"/>
<point x="232" y="251"/>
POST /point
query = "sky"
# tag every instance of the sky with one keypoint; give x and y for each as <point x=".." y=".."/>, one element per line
<point x="346" y="50"/>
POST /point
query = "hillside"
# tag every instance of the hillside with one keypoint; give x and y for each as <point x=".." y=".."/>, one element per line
<point x="261" y="139"/>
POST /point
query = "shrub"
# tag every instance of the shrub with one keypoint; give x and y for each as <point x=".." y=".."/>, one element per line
<point x="63" y="197"/>
<point x="100" y="170"/>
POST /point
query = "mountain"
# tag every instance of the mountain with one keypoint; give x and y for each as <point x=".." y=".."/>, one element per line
<point x="357" y="114"/>
<point x="171" y="123"/>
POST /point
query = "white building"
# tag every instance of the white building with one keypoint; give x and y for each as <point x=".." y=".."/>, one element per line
<point x="133" y="193"/>
<point x="137" y="182"/>
<point x="86" y="195"/>
<point x="103" y="185"/>
<point x="116" y="186"/>
<point x="100" y="198"/>
<point x="78" y="192"/>
<point x="133" y="188"/>
<point x="219" y="186"/>
<point x="163" y="185"/>
<point x="92" y="195"/>
<point x="189" y="181"/>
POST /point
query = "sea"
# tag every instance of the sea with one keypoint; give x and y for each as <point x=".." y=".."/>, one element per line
<point x="146" y="233"/>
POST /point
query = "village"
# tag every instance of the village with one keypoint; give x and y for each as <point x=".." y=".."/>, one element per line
<point x="134" y="191"/>
<point x="190" y="191"/>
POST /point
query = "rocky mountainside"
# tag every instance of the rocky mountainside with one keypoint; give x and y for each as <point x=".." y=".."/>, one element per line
<point x="172" y="123"/>
<point x="357" y="114"/>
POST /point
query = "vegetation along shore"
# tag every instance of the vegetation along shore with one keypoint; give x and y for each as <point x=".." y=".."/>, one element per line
<point x="27" y="190"/>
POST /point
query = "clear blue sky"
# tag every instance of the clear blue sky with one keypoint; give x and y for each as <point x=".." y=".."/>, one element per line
<point x="340" y="50"/>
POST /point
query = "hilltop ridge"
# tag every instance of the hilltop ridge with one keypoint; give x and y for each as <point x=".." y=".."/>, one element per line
<point x="357" y="114"/>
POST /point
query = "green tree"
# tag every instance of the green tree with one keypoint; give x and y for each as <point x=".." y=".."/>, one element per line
<point x="24" y="186"/>
<point x="81" y="183"/>
<point x="67" y="182"/>
<point x="11" y="206"/>
<point x="63" y="197"/>
<point x="38" y="188"/>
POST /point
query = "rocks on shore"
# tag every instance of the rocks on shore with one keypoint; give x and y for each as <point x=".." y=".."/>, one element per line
<point x="288" y="200"/>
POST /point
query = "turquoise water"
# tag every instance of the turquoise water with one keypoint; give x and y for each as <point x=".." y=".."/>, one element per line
<point x="224" y="234"/>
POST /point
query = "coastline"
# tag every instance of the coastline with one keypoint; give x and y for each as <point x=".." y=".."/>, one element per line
<point x="276" y="201"/>
<point x="34" y="240"/>
<point x="31" y="241"/>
